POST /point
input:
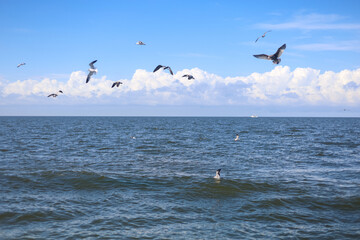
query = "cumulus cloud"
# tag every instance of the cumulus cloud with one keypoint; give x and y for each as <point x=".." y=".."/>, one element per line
<point x="282" y="85"/>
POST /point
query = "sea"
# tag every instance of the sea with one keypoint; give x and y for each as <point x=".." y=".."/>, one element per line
<point x="153" y="178"/>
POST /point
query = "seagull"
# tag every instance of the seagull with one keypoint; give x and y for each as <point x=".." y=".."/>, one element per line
<point x="140" y="43"/>
<point x="189" y="77"/>
<point x="164" y="67"/>
<point x="275" y="57"/>
<point x="92" y="70"/>
<point x="20" y="64"/>
<point x="55" y="94"/>
<point x="262" y="36"/>
<point x="117" y="84"/>
<point x="217" y="176"/>
<point x="237" y="137"/>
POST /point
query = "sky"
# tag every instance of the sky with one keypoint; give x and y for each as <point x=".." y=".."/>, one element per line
<point x="319" y="72"/>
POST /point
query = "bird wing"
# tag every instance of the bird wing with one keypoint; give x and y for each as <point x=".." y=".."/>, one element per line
<point x="50" y="95"/>
<point x="89" y="76"/>
<point x="113" y="85"/>
<point x="191" y="77"/>
<point x="157" y="68"/>
<point x="262" y="56"/>
<point x="170" y="71"/>
<point x="185" y="75"/>
<point x="265" y="33"/>
<point x="92" y="64"/>
<point x="280" y="51"/>
<point x="60" y="91"/>
<point x="257" y="39"/>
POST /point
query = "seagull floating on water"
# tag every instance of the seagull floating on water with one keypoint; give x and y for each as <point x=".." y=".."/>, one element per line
<point x="189" y="77"/>
<point x="217" y="176"/>
<point x="164" y="67"/>
<point x="55" y="94"/>
<point x="237" y="137"/>
<point x="21" y="64"/>
<point x="275" y="57"/>
<point x="262" y="36"/>
<point x="117" y="84"/>
<point x="140" y="43"/>
<point x="92" y="70"/>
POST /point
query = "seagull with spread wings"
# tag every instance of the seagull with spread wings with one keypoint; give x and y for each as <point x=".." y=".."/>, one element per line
<point x="92" y="70"/>
<point x="21" y="64"/>
<point x="117" y="84"/>
<point x="275" y="57"/>
<point x="262" y="36"/>
<point x="163" y="67"/>
<point x="188" y="76"/>
<point x="55" y="94"/>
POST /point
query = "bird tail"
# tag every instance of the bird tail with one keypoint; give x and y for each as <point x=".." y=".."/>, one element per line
<point x="277" y="61"/>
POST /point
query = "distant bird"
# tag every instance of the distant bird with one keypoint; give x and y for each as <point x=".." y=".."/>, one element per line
<point x="275" y="57"/>
<point x="217" y="176"/>
<point x="237" y="137"/>
<point x="164" y="67"/>
<point x="117" y="84"/>
<point x="92" y="70"/>
<point x="20" y="64"/>
<point x="140" y="43"/>
<point x="189" y="77"/>
<point x="55" y="94"/>
<point x="262" y="36"/>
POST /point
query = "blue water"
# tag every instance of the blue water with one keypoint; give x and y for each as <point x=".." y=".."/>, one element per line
<point x="86" y="177"/>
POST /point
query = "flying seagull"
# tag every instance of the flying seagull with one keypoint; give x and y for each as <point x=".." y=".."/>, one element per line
<point x="189" y="77"/>
<point x="275" y="57"/>
<point x="92" y="70"/>
<point x="164" y="67"/>
<point x="217" y="176"/>
<point x="140" y="43"/>
<point x="117" y="84"/>
<point x="55" y="94"/>
<point x="262" y="36"/>
<point x="20" y="64"/>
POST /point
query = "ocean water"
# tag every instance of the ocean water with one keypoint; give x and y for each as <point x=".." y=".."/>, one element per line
<point x="87" y="178"/>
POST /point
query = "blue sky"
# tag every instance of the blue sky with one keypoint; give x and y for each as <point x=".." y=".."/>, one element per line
<point x="213" y="40"/>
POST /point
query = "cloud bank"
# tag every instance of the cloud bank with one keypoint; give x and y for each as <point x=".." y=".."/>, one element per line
<point x="282" y="86"/>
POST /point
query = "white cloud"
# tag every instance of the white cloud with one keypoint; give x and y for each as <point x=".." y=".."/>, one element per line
<point x="340" y="46"/>
<point x="312" y="22"/>
<point x="305" y="86"/>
